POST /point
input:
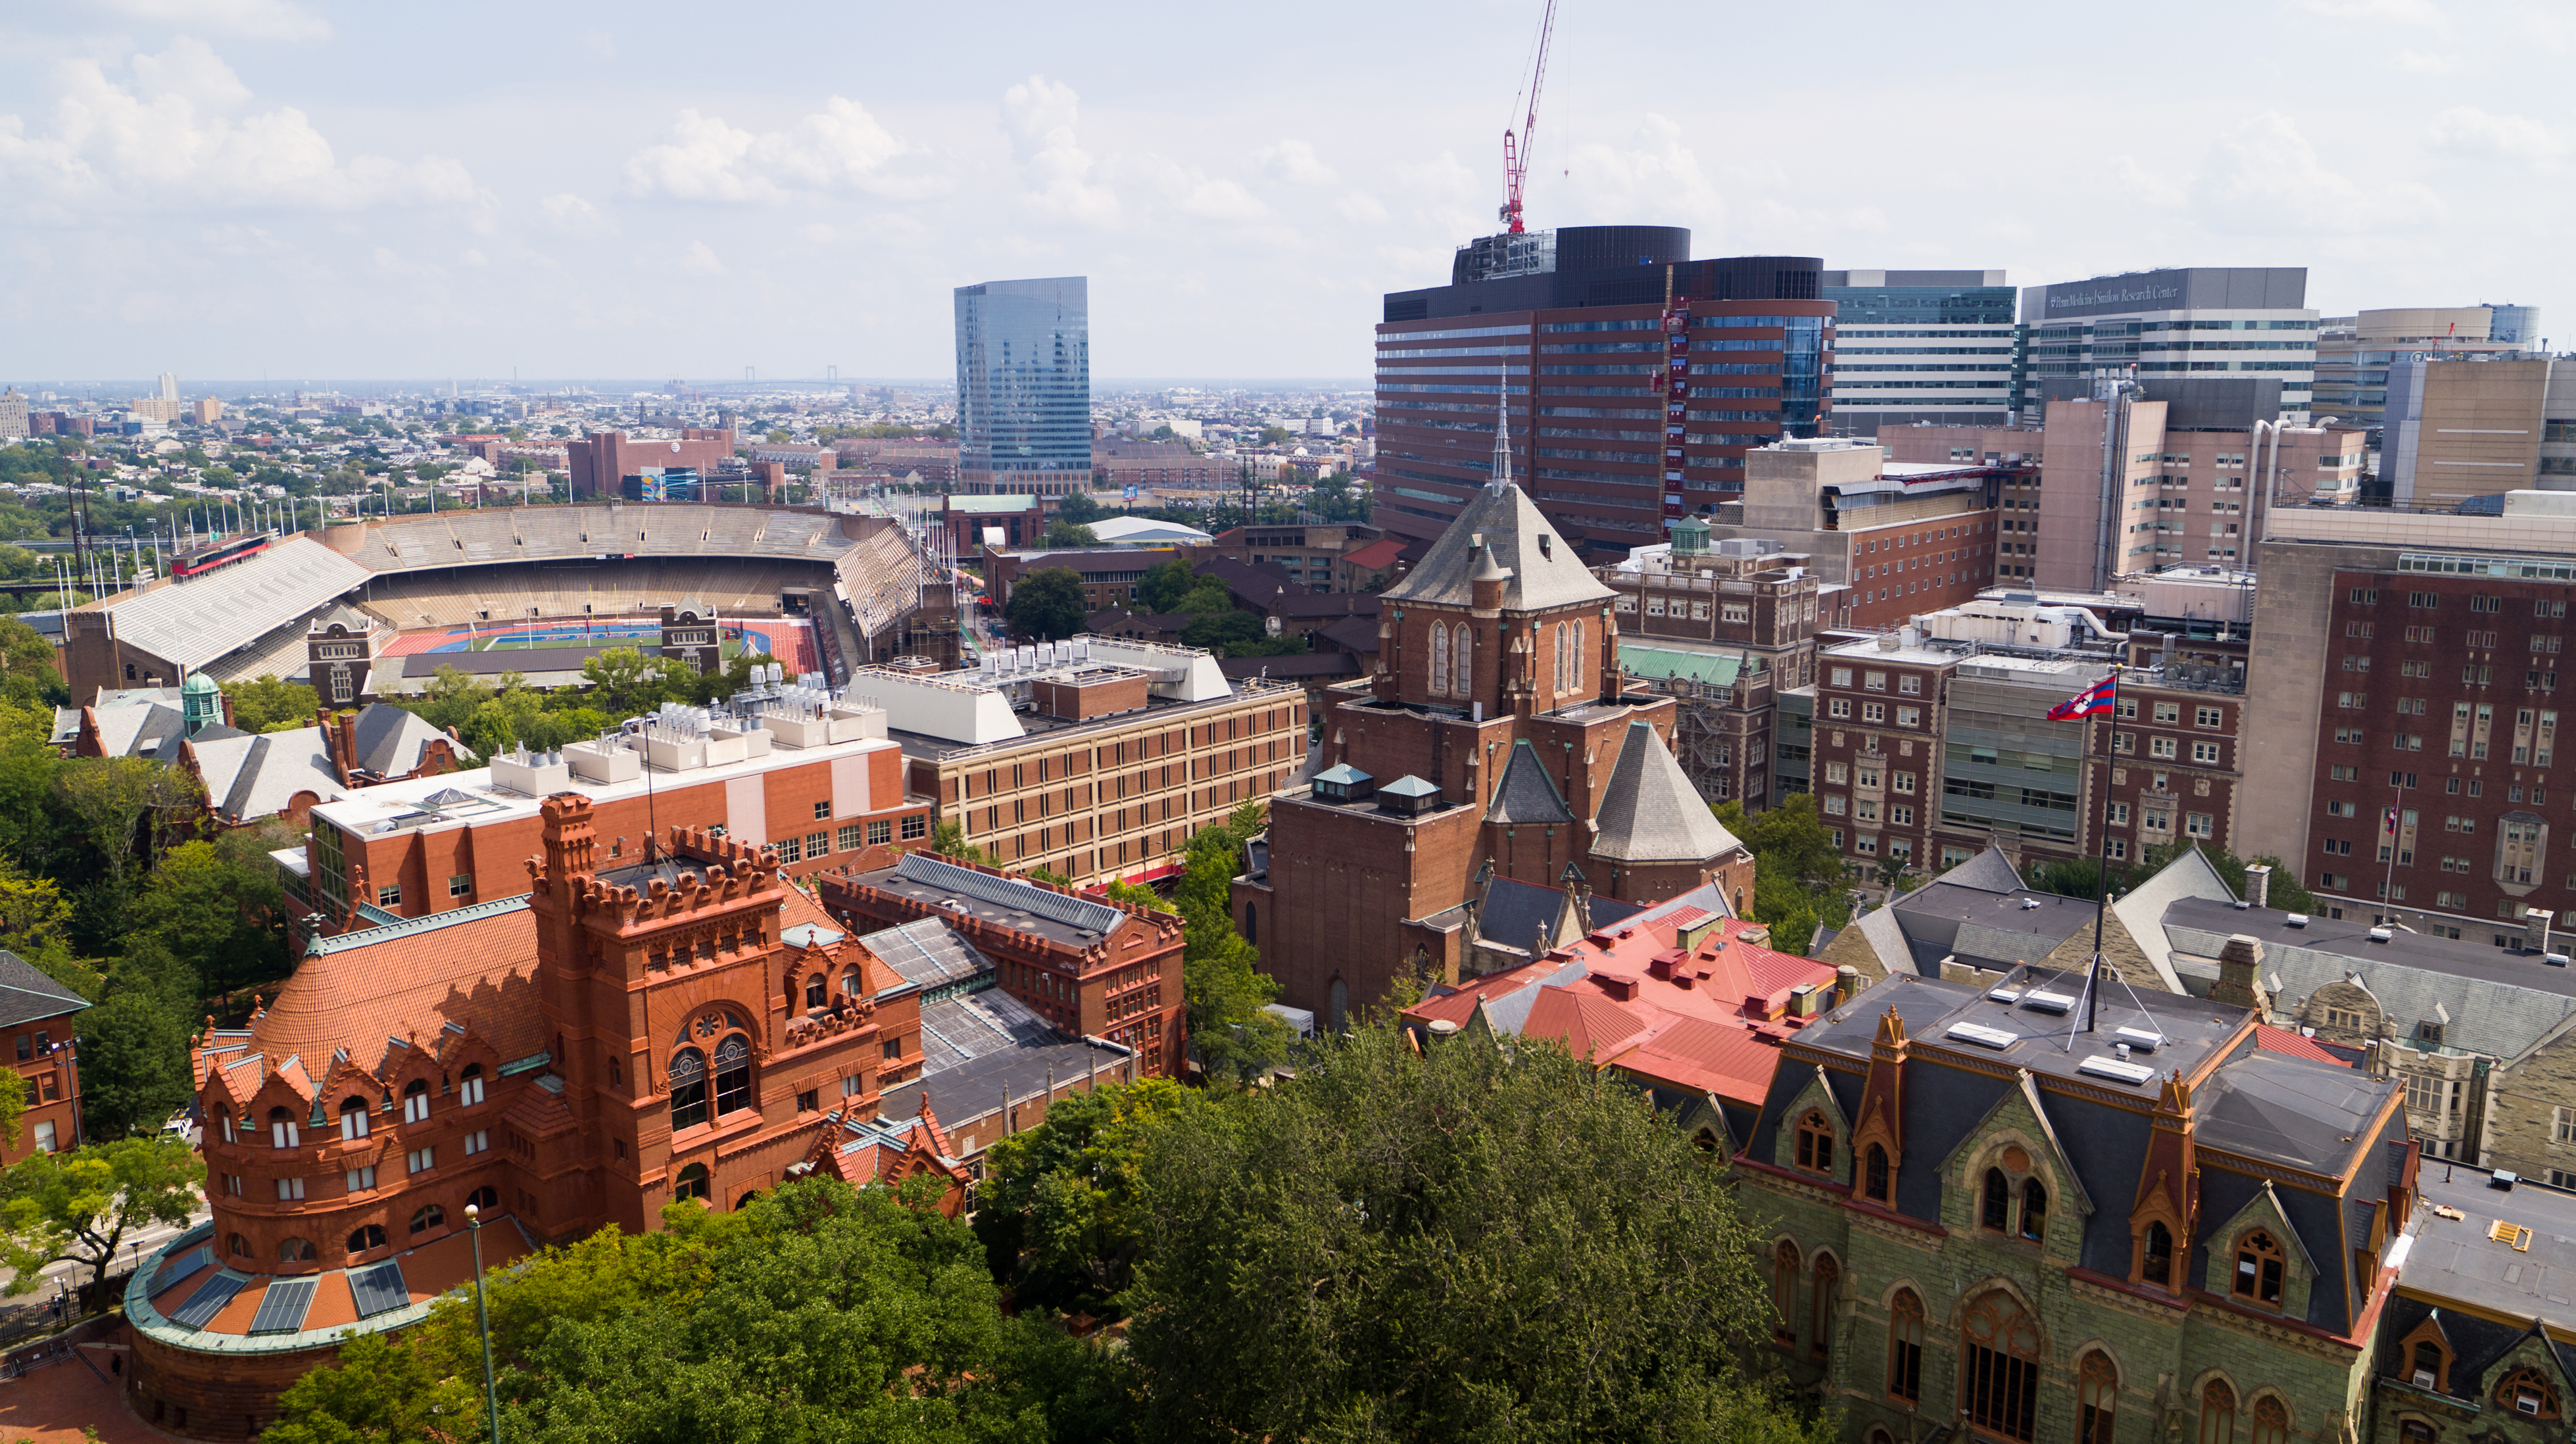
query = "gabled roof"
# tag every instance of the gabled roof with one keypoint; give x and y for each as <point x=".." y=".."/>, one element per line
<point x="474" y="965"/>
<point x="27" y="995"/>
<point x="1651" y="813"/>
<point x="390" y="739"/>
<point x="1546" y="572"/>
<point x="249" y="777"/>
<point x="1527" y="795"/>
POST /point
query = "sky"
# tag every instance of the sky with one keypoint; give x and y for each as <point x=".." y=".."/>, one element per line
<point x="288" y="188"/>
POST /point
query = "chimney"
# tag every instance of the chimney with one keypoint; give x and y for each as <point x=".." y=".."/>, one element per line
<point x="2240" y="975"/>
<point x="2535" y="930"/>
<point x="2258" y="885"/>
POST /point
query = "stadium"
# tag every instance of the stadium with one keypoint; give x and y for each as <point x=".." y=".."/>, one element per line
<point x="374" y="608"/>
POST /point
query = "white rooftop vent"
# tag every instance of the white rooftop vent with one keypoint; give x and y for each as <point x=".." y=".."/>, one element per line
<point x="2381" y="935"/>
<point x="2555" y="960"/>
<point x="2296" y="920"/>
<point x="2047" y="1002"/>
<point x="1981" y="1035"/>
<point x="2140" y="1039"/>
<point x="2006" y="995"/>
<point x="2116" y="1070"/>
<point x="2028" y="903"/>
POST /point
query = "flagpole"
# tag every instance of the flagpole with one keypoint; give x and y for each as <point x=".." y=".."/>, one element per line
<point x="2101" y="875"/>
<point x="2391" y="825"/>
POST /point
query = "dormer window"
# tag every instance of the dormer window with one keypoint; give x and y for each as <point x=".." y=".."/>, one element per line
<point x="2258" y="1269"/>
<point x="1815" y="1143"/>
<point x="2155" y="1261"/>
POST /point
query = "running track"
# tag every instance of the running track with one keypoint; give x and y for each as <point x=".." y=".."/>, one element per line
<point x="786" y="641"/>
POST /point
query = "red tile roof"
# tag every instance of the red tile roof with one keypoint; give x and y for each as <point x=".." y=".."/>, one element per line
<point x="2282" y="1040"/>
<point x="1379" y="553"/>
<point x="474" y="966"/>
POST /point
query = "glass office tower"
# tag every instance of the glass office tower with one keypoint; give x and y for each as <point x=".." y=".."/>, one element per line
<point x="1921" y="347"/>
<point x="1024" y="386"/>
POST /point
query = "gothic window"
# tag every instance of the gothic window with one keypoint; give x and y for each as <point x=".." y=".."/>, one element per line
<point x="1997" y="1212"/>
<point x="2217" y="1413"/>
<point x="1463" y="680"/>
<point x="1874" y="1177"/>
<point x="296" y="1250"/>
<point x="371" y="1236"/>
<point x="2155" y="1255"/>
<point x="2527" y="1392"/>
<point x="1564" y="645"/>
<point x="2034" y="1209"/>
<point x="2258" y="1268"/>
<point x="733" y="1075"/>
<point x="1439" y="660"/>
<point x="415" y="1096"/>
<point x="2271" y="1420"/>
<point x="692" y="1184"/>
<point x="1905" y="1346"/>
<point x="353" y="1119"/>
<point x="1999" y="1375"/>
<point x="428" y="1218"/>
<point x="469" y="1087"/>
<point x="2097" y="1393"/>
<point x="1820" y="1318"/>
<point x="688" y="1089"/>
<point x="1784" y="1291"/>
<point x="1815" y="1142"/>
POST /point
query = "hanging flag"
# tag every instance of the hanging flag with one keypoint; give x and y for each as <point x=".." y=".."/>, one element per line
<point x="2391" y="828"/>
<point x="2094" y="701"/>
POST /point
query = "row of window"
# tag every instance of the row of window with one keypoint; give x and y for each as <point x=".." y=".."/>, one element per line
<point x="367" y="1237"/>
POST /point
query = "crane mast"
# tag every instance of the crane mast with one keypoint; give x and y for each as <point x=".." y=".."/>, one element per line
<point x="1516" y="148"/>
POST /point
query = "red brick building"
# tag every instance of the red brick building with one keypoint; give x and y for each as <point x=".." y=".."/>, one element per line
<point x="1496" y="730"/>
<point x="605" y="458"/>
<point x="679" y="1024"/>
<point x="40" y="1015"/>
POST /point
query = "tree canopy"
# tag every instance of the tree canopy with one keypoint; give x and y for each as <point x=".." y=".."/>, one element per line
<point x="1221" y="979"/>
<point x="1047" y="604"/>
<point x="1065" y="532"/>
<point x="1797" y="870"/>
<point x="80" y="1205"/>
<point x="1063" y="1197"/>
<point x="265" y="704"/>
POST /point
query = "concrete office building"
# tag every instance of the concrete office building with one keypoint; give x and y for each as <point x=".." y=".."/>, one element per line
<point x="1024" y="386"/>
<point x="1656" y="374"/>
<point x="2355" y="352"/>
<point x="1889" y="539"/>
<point x="2558" y="430"/>
<point x="2199" y="321"/>
<point x="1915" y="347"/>
<point x="2462" y="427"/>
<point x="13" y="414"/>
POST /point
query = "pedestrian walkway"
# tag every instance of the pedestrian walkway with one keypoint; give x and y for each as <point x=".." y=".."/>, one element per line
<point x="56" y="1404"/>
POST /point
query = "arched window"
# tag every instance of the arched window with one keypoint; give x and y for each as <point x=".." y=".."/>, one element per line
<point x="428" y="1218"/>
<point x="236" y="1245"/>
<point x="746" y="1201"/>
<point x="2415" y="1431"/>
<point x="1997" y="1214"/>
<point x="1999" y="1376"/>
<point x="1874" y="1177"/>
<point x="1252" y="925"/>
<point x="692" y="1184"/>
<point x="2529" y="1393"/>
<point x="850" y="982"/>
<point x="1574" y="683"/>
<point x="1564" y="646"/>
<point x="486" y="1198"/>
<point x="2258" y="1268"/>
<point x="353" y="1119"/>
<point x="1439" y="660"/>
<point x="415" y="1096"/>
<point x="2034" y="1209"/>
<point x="296" y="1250"/>
<point x="1905" y="1346"/>
<point x="733" y="1075"/>
<point x="2155" y="1255"/>
<point x="1462" y="678"/>
<point x="1815" y="1142"/>
<point x="688" y="1089"/>
<point x="2271" y="1420"/>
<point x="469" y="1087"/>
<point x="1820" y="1316"/>
<point x="1784" y="1291"/>
<point x="363" y="1239"/>
<point x="2217" y="1413"/>
<point x="282" y="1132"/>
<point x="817" y="992"/>
<point x="2097" y="1394"/>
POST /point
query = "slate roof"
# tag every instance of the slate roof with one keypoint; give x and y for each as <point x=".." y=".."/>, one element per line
<point x="27" y="994"/>
<point x="1546" y="572"/>
<point x="251" y="777"/>
<point x="390" y="739"/>
<point x="1651" y="813"/>
<point x="1357" y="635"/>
<point x="1513" y="913"/>
<point x="1527" y="795"/>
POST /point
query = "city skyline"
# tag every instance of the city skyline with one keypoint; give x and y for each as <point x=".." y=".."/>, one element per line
<point x="231" y="188"/>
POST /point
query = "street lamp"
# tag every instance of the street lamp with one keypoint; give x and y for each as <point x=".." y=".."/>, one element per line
<point x="483" y="1321"/>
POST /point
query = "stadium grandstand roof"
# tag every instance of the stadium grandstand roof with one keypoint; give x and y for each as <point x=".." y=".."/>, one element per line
<point x="566" y="533"/>
<point x="193" y="623"/>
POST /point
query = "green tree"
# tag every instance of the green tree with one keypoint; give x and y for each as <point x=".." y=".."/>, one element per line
<point x="1078" y="508"/>
<point x="1363" y="1256"/>
<point x="818" y="1313"/>
<point x="1224" y="991"/>
<point x="623" y="681"/>
<point x="1063" y="533"/>
<point x="1276" y="435"/>
<point x="1205" y="595"/>
<point x="35" y="923"/>
<point x="1798" y="875"/>
<point x="79" y="1206"/>
<point x="265" y="704"/>
<point x="454" y="694"/>
<point x="218" y="908"/>
<point x="1047" y="604"/>
<point x="1057" y="1205"/>
<point x="948" y="840"/>
<point x="1164" y="586"/>
<point x="134" y="1065"/>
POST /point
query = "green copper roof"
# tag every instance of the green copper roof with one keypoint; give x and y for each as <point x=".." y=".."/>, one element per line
<point x="1716" y="669"/>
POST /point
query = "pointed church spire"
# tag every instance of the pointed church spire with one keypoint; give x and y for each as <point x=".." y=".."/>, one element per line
<point x="1502" y="437"/>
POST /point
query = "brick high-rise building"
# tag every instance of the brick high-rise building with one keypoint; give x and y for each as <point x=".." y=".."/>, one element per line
<point x="606" y="458"/>
<point x="1497" y="732"/>
<point x="1655" y="374"/>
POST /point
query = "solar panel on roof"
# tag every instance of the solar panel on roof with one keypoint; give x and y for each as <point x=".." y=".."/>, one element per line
<point x="283" y="1306"/>
<point x="184" y="1265"/>
<point x="207" y="1301"/>
<point x="375" y="1290"/>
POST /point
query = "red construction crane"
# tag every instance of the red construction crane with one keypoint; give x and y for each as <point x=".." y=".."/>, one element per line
<point x="1516" y="148"/>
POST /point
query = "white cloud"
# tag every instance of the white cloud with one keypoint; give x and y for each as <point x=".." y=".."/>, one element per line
<point x="839" y="148"/>
<point x="567" y="214"/>
<point x="258" y="19"/>
<point x="2418" y="62"/>
<point x="2466" y="130"/>
<point x="2265" y="178"/>
<point x="2403" y="12"/>
<point x="701" y="260"/>
<point x="174" y="135"/>
<point x="1295" y="161"/>
<point x="1040" y="116"/>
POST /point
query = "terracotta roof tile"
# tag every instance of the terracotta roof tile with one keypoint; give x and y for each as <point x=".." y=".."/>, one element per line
<point x="2282" y="1040"/>
<point x="476" y="966"/>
